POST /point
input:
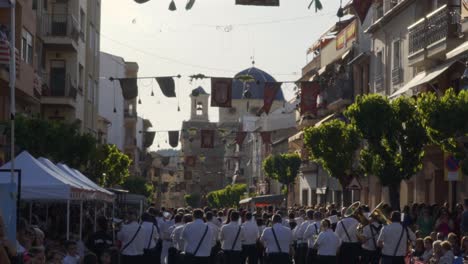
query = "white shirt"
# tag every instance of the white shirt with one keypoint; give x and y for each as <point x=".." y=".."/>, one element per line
<point x="71" y="259"/>
<point x="177" y="240"/>
<point x="151" y="234"/>
<point x="138" y="244"/>
<point x="284" y="236"/>
<point x="228" y="234"/>
<point x="193" y="233"/>
<point x="251" y="233"/>
<point x="311" y="231"/>
<point x="299" y="220"/>
<point x="371" y="236"/>
<point x="390" y="235"/>
<point x="327" y="243"/>
<point x="215" y="229"/>
<point x="163" y="228"/>
<point x="171" y="231"/>
<point x="299" y="231"/>
<point x="351" y="225"/>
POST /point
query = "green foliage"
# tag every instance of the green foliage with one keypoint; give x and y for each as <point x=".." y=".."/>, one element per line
<point x="192" y="200"/>
<point x="227" y="197"/>
<point x="109" y="166"/>
<point x="282" y="167"/>
<point x="333" y="145"/>
<point x="446" y="121"/>
<point x="139" y="185"/>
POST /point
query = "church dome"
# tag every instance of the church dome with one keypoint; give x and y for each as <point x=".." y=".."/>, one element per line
<point x="257" y="87"/>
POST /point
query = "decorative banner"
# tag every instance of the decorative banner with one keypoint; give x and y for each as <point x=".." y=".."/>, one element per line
<point x="190" y="161"/>
<point x="240" y="137"/>
<point x="129" y="88"/>
<point x="266" y="137"/>
<point x="362" y="7"/>
<point x="174" y="138"/>
<point x="350" y="31"/>
<point x="309" y="93"/>
<point x="258" y="2"/>
<point x="165" y="161"/>
<point x="269" y="95"/>
<point x="452" y="170"/>
<point x="207" y="138"/>
<point x="340" y="40"/>
<point x="221" y="92"/>
<point x="167" y="86"/>
<point x="148" y="139"/>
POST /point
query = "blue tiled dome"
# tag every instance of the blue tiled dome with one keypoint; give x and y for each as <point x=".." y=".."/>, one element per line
<point x="257" y="87"/>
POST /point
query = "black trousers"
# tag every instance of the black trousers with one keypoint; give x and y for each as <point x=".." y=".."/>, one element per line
<point x="300" y="254"/>
<point x="173" y="256"/>
<point x="349" y="253"/>
<point x="260" y="253"/>
<point x="326" y="260"/>
<point x="277" y="258"/>
<point x="200" y="260"/>
<point x="249" y="252"/>
<point x="311" y="256"/>
<point x="126" y="259"/>
<point x="370" y="256"/>
<point x="232" y="257"/>
<point x="392" y="260"/>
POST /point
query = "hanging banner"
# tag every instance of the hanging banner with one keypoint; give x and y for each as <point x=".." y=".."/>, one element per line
<point x="464" y="9"/>
<point x="167" y="86"/>
<point x="148" y="139"/>
<point x="129" y="88"/>
<point x="452" y="170"/>
<point x="190" y="161"/>
<point x="350" y="31"/>
<point x="221" y="92"/>
<point x="258" y="2"/>
<point x="309" y="93"/>
<point x="207" y="138"/>
<point x="340" y="40"/>
<point x="173" y="138"/>
<point x="361" y="7"/>
<point x="266" y="137"/>
<point x="269" y="95"/>
<point x="240" y="137"/>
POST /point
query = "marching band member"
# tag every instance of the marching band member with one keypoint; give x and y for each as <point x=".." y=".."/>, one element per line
<point x="249" y="243"/>
<point x="310" y="235"/>
<point x="370" y="249"/>
<point x="346" y="230"/>
<point x="301" y="243"/>
<point x="177" y="240"/>
<point x="393" y="240"/>
<point x="231" y="236"/>
<point x="327" y="244"/>
<point x="277" y="240"/>
<point x="197" y="238"/>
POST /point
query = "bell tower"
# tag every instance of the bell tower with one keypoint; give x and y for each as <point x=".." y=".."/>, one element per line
<point x="199" y="105"/>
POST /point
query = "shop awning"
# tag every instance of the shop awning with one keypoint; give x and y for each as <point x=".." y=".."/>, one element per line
<point x="324" y="120"/>
<point x="297" y="136"/>
<point x="422" y="78"/>
<point x="463" y="48"/>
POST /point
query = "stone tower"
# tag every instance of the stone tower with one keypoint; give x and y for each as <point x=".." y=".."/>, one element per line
<point x="199" y="108"/>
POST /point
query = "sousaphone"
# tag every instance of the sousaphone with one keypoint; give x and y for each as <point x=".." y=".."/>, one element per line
<point x="354" y="210"/>
<point x="379" y="215"/>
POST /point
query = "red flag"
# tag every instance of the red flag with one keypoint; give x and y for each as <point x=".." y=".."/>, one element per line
<point x="240" y="136"/>
<point x="266" y="137"/>
<point x="258" y="2"/>
<point x="190" y="161"/>
<point x="309" y="93"/>
<point x="362" y="7"/>
<point x="221" y="92"/>
<point x="207" y="138"/>
<point x="269" y="95"/>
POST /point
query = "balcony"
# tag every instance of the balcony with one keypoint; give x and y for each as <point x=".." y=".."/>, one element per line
<point x="59" y="92"/>
<point x="5" y="60"/>
<point x="434" y="35"/>
<point x="397" y="75"/>
<point x="312" y="66"/>
<point x="339" y="95"/>
<point x="378" y="83"/>
<point x="60" y="31"/>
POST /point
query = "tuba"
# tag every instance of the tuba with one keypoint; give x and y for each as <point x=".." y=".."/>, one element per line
<point x="379" y="215"/>
<point x="355" y="211"/>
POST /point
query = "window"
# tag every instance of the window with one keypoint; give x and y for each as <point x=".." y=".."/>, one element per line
<point x="379" y="63"/>
<point x="26" y="47"/>
<point x="397" y="54"/>
<point x="95" y="95"/>
<point x="90" y="89"/>
<point x="80" y="78"/>
<point x="96" y="46"/>
<point x="91" y="40"/>
<point x="82" y="24"/>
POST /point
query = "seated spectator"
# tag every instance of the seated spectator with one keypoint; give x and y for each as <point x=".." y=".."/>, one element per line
<point x="447" y="253"/>
<point x="436" y="252"/>
<point x="453" y="239"/>
<point x="440" y="236"/>
<point x="464" y="247"/>
<point x="418" y="248"/>
<point x="72" y="256"/>
<point x="427" y="249"/>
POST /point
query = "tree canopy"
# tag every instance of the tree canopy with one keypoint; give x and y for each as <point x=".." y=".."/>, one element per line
<point x="282" y="167"/>
<point x="227" y="197"/>
<point x="139" y="185"/>
<point x="109" y="166"/>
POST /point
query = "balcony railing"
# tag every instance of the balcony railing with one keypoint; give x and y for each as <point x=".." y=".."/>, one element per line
<point x="441" y="24"/>
<point x="57" y="88"/>
<point x="378" y="82"/>
<point x="60" y="25"/>
<point x="397" y="75"/>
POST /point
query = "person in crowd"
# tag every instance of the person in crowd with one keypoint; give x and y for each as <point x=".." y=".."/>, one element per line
<point x="370" y="249"/>
<point x="434" y="236"/>
<point x="90" y="258"/>
<point x="8" y="249"/>
<point x="38" y="239"/>
<point x="394" y="239"/>
<point x="100" y="240"/>
<point x="350" y="247"/>
<point x="427" y="254"/>
<point x="436" y="252"/>
<point x="454" y="242"/>
<point x="464" y="247"/>
<point x="133" y="239"/>
<point x="260" y="246"/>
<point x="24" y="237"/>
<point x="447" y="253"/>
<point x="444" y="224"/>
<point x="72" y="256"/>
<point x="249" y="243"/>
<point x="298" y="235"/>
<point x="36" y="255"/>
<point x="464" y="220"/>
<point x="177" y="240"/>
<point x="277" y="240"/>
<point x="291" y="220"/>
<point x="105" y="257"/>
<point x="425" y="222"/>
<point x="197" y="238"/>
<point x="327" y="244"/>
<point x="231" y="236"/>
<point x="407" y="220"/>
<point x="55" y="257"/>
<point x="418" y="249"/>
<point x="311" y="233"/>
<point x="151" y="254"/>
<point x="301" y="217"/>
<point x="172" y="252"/>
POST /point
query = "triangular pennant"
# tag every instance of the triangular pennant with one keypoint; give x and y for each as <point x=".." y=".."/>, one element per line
<point x="258" y="2"/>
<point x="129" y="88"/>
<point x="221" y="92"/>
<point x="309" y="93"/>
<point x="174" y="138"/>
<point x="240" y="137"/>
<point x="165" y="161"/>
<point x="362" y="7"/>
<point x="266" y="137"/>
<point x="207" y="138"/>
<point x="269" y="95"/>
<point x="167" y="86"/>
<point x="148" y="139"/>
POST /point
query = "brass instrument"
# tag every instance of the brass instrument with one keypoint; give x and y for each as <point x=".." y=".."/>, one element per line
<point x="355" y="211"/>
<point x="379" y="215"/>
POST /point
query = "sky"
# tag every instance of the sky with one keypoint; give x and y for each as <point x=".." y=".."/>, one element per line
<point x="215" y="38"/>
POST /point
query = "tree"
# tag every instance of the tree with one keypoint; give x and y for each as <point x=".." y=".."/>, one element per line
<point x="227" y="197"/>
<point x="283" y="168"/>
<point x="139" y="185"/>
<point x="109" y="166"/>
<point x="445" y="120"/>
<point x="394" y="139"/>
<point x="334" y="145"/>
<point x="192" y="200"/>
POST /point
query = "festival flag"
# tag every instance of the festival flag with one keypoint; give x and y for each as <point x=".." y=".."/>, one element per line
<point x="148" y="138"/>
<point x="258" y="2"/>
<point x="190" y="161"/>
<point x="362" y="7"/>
<point x="167" y="86"/>
<point x="221" y="92"/>
<point x="129" y="88"/>
<point x="165" y="161"/>
<point x="309" y="93"/>
<point x="240" y="137"/>
<point x="207" y="138"/>
<point x="266" y="137"/>
<point x="174" y="138"/>
<point x="269" y="95"/>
